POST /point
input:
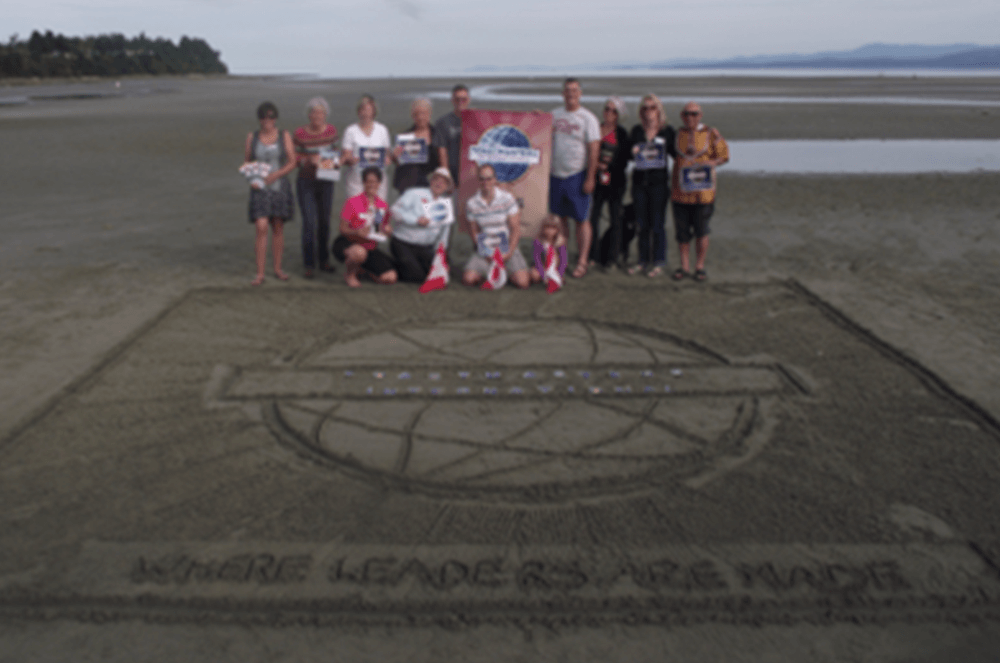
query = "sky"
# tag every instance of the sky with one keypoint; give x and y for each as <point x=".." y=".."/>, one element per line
<point x="375" y="38"/>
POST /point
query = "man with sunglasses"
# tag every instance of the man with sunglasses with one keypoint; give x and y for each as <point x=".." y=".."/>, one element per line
<point x="699" y="151"/>
<point x="494" y="223"/>
<point x="576" y="140"/>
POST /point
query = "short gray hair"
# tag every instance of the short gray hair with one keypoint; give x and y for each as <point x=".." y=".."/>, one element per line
<point x="422" y="101"/>
<point x="317" y="102"/>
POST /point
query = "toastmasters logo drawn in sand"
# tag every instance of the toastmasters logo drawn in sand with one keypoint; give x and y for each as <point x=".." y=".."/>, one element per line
<point x="518" y="145"/>
<point x="518" y="410"/>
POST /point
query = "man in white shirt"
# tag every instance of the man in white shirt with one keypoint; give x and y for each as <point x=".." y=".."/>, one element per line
<point x="576" y="140"/>
<point x="494" y="222"/>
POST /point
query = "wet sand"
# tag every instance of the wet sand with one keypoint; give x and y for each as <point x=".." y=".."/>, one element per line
<point x="119" y="211"/>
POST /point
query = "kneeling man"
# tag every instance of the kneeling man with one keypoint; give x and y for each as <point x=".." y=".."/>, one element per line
<point x="494" y="223"/>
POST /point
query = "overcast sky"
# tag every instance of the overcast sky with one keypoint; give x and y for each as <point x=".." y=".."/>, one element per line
<point x="425" y="37"/>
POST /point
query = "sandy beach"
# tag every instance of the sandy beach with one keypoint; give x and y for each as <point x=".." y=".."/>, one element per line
<point x="132" y="430"/>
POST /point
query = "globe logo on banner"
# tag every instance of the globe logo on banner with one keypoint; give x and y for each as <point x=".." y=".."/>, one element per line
<point x="507" y="149"/>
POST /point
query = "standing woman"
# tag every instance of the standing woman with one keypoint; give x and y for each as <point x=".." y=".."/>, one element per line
<point x="315" y="195"/>
<point x="366" y="132"/>
<point x="614" y="155"/>
<point x="652" y="140"/>
<point x="270" y="204"/>
<point x="409" y="175"/>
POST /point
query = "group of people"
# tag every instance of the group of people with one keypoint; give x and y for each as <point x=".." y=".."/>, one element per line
<point x="590" y="162"/>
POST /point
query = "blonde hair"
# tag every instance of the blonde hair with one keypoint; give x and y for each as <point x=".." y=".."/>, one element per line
<point x="367" y="99"/>
<point x="554" y="221"/>
<point x="662" y="114"/>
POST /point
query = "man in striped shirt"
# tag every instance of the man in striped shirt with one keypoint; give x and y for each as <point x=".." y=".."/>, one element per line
<point x="494" y="222"/>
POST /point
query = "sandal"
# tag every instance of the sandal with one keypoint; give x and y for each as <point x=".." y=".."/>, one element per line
<point x="634" y="269"/>
<point x="679" y="274"/>
<point x="700" y="275"/>
<point x="655" y="272"/>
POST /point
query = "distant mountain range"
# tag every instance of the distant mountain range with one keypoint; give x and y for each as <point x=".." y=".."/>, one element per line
<point x="870" y="56"/>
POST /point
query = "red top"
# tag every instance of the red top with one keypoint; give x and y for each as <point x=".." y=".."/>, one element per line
<point x="358" y="214"/>
<point x="308" y="143"/>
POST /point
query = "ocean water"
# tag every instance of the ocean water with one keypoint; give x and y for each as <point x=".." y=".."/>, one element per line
<point x="864" y="156"/>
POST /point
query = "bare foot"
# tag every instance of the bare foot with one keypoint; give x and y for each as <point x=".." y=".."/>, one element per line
<point x="258" y="280"/>
<point x="281" y="276"/>
<point x="580" y="271"/>
<point x="352" y="281"/>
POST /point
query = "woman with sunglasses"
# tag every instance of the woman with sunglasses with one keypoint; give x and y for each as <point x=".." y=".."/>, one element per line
<point x="609" y="189"/>
<point x="271" y="201"/>
<point x="652" y="141"/>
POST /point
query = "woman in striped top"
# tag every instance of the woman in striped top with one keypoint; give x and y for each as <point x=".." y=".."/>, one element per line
<point x="315" y="194"/>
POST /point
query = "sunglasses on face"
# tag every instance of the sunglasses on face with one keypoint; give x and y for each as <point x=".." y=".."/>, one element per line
<point x="691" y="113"/>
<point x="486" y="179"/>
<point x="611" y="108"/>
<point x="646" y="108"/>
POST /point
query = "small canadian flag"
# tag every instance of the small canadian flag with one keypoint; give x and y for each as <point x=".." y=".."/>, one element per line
<point x="496" y="278"/>
<point x="437" y="278"/>
<point x="553" y="279"/>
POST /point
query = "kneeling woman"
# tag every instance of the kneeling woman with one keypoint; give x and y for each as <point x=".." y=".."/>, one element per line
<point x="416" y="236"/>
<point x="364" y="215"/>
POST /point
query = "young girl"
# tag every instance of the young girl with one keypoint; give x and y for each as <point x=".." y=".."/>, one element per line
<point x="550" y="234"/>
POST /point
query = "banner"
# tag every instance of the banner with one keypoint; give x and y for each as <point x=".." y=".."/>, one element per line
<point x="519" y="147"/>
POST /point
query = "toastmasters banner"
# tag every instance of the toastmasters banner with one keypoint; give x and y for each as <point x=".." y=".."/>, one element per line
<point x="519" y="147"/>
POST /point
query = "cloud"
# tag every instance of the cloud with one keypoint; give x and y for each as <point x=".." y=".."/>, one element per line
<point x="411" y="9"/>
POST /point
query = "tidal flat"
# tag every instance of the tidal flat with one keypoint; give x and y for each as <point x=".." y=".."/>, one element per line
<point x="870" y="448"/>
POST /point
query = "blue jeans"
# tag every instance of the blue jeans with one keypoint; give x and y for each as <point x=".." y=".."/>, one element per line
<point x="651" y="217"/>
<point x="316" y="203"/>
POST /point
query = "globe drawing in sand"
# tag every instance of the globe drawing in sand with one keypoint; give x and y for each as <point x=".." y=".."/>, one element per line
<point x="514" y="410"/>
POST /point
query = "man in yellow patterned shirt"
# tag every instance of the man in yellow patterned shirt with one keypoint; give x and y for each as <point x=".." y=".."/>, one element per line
<point x="699" y="150"/>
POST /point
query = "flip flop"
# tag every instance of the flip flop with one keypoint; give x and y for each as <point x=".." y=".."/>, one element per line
<point x="679" y="274"/>
<point x="700" y="275"/>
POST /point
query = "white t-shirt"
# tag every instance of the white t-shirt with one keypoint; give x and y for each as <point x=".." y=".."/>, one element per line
<point x="571" y="134"/>
<point x="354" y="138"/>
<point x="492" y="217"/>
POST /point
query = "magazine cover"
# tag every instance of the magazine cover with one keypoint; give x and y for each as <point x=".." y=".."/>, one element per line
<point x="329" y="165"/>
<point x="371" y="156"/>
<point x="414" y="149"/>
<point x="651" y="155"/>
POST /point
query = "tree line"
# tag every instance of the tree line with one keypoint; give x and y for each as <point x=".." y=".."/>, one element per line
<point x="48" y="55"/>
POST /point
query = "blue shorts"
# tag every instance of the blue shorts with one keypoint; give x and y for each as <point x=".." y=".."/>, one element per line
<point x="566" y="197"/>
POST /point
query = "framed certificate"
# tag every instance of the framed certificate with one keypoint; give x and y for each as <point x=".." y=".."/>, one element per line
<point x="371" y="156"/>
<point x="329" y="165"/>
<point x="414" y="149"/>
<point x="439" y="211"/>
<point x="486" y="244"/>
<point x="697" y="177"/>
<point x="651" y="155"/>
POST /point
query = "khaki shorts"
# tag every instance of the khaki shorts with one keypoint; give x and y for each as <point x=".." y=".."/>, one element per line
<point x="479" y="264"/>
